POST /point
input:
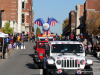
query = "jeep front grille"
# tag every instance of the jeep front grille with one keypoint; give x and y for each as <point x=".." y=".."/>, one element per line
<point x="69" y="64"/>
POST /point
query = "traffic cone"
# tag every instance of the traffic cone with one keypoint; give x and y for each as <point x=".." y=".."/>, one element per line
<point x="17" y="47"/>
<point x="24" y="46"/>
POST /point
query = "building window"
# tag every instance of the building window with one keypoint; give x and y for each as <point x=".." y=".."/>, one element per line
<point x="23" y="4"/>
<point x="22" y="18"/>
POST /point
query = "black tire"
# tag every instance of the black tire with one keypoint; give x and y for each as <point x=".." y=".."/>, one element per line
<point x="89" y="69"/>
<point x="45" y="72"/>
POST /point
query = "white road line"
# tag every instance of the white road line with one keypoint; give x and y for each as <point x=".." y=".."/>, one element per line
<point x="41" y="71"/>
<point x="96" y="67"/>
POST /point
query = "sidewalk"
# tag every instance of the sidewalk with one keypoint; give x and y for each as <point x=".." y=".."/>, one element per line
<point x="6" y="55"/>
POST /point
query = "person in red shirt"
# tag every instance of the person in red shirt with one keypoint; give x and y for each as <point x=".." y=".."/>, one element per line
<point x="72" y="37"/>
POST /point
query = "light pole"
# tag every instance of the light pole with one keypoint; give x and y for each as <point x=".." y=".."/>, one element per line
<point x="13" y="26"/>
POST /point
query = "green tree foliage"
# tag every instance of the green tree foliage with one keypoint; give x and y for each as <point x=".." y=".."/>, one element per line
<point x="7" y="29"/>
<point x="65" y="23"/>
<point x="38" y="31"/>
<point x="93" y="23"/>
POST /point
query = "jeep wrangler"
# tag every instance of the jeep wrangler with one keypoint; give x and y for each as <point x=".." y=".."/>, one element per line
<point x="67" y="58"/>
<point x="40" y="48"/>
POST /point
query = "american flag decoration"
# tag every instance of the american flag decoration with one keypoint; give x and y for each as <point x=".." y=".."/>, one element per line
<point x="65" y="57"/>
<point x="83" y="62"/>
<point x="50" y="44"/>
<point x="59" y="71"/>
<point x="71" y="58"/>
<point x="78" y="61"/>
<point x="53" y="23"/>
<point x="79" y="72"/>
<point x="69" y="42"/>
<point x="38" y="23"/>
<point x="57" y="42"/>
<point x="46" y="38"/>
<point x="63" y="42"/>
<point x="58" y="57"/>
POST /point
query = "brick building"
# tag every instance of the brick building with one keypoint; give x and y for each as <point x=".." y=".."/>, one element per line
<point x="71" y="27"/>
<point x="79" y="17"/>
<point x="19" y="13"/>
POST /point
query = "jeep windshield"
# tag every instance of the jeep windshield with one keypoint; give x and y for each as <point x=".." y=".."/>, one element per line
<point x="42" y="45"/>
<point x="66" y="48"/>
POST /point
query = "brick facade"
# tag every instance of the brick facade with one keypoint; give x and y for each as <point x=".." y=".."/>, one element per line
<point x="10" y="13"/>
<point x="10" y="10"/>
<point x="72" y="22"/>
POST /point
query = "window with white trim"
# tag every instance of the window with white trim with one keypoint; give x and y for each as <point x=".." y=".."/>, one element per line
<point x="23" y="4"/>
<point x="22" y="18"/>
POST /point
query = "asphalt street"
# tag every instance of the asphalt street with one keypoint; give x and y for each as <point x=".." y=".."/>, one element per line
<point x="21" y="62"/>
<point x="96" y="64"/>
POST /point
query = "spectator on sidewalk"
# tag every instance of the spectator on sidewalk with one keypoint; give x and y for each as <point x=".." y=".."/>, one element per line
<point x="14" y="41"/>
<point x="95" y="48"/>
<point x="89" y="47"/>
<point x="72" y="37"/>
<point x="19" y="41"/>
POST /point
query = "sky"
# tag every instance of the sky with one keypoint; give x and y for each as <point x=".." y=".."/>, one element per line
<point x="58" y="9"/>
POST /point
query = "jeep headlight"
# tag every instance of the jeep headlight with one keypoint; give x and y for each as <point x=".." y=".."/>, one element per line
<point x="41" y="54"/>
<point x="58" y="62"/>
<point x="89" y="62"/>
<point x="50" y="61"/>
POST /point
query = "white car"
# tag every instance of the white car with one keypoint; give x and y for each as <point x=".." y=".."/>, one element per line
<point x="67" y="58"/>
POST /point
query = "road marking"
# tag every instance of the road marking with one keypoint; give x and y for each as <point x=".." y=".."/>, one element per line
<point x="41" y="71"/>
<point x="96" y="67"/>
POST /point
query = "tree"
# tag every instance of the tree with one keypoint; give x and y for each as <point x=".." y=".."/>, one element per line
<point x="7" y="29"/>
<point x="93" y="23"/>
<point x="65" y="23"/>
<point x="38" y="31"/>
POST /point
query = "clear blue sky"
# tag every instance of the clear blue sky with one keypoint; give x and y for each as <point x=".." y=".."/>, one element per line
<point x="58" y="9"/>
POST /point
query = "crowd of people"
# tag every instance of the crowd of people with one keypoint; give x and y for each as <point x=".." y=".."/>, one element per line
<point x="91" y="43"/>
<point x="12" y="42"/>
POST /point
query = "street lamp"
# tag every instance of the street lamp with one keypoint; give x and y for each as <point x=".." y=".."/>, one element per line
<point x="13" y="26"/>
<point x="1" y="17"/>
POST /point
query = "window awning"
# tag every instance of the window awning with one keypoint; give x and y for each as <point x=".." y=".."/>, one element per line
<point x="81" y="26"/>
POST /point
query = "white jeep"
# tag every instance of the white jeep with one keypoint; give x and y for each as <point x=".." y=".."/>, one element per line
<point x="67" y="58"/>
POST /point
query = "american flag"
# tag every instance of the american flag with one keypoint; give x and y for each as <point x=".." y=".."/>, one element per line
<point x="79" y="72"/>
<point x="71" y="58"/>
<point x="50" y="45"/>
<point x="58" y="57"/>
<point x="38" y="23"/>
<point x="78" y="61"/>
<point x="57" y="43"/>
<point x="53" y="23"/>
<point x="59" y="71"/>
<point x="63" y="42"/>
<point x="83" y="62"/>
<point x="65" y="57"/>
<point x="46" y="38"/>
<point x="69" y="42"/>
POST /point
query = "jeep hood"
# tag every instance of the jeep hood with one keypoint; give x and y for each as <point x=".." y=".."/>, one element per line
<point x="68" y="57"/>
